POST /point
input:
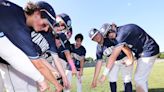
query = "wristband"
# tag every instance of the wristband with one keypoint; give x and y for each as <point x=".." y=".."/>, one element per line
<point x="106" y="71"/>
<point x="71" y="64"/>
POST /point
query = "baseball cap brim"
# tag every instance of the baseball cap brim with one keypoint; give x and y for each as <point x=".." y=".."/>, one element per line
<point x="94" y="34"/>
<point x="47" y="15"/>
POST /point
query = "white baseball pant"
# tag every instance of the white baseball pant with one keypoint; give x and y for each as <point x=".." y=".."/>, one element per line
<point x="78" y="81"/>
<point x="125" y="70"/>
<point x="15" y="81"/>
<point x="143" y="69"/>
<point x="17" y="59"/>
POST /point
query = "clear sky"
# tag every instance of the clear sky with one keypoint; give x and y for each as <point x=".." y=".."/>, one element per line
<point x="86" y="14"/>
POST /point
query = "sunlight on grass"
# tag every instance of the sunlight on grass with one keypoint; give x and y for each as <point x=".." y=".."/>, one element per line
<point x="156" y="81"/>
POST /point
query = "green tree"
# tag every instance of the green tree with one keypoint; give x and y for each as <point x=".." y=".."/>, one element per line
<point x="89" y="59"/>
<point x="161" y="55"/>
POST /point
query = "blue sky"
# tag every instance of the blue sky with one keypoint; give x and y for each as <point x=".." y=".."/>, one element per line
<point x="86" y="14"/>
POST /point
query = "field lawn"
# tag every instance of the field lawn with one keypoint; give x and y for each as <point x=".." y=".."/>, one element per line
<point x="156" y="81"/>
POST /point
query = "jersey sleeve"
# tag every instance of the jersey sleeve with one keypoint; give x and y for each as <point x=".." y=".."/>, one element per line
<point x="52" y="46"/>
<point x="22" y="39"/>
<point x="99" y="53"/>
<point x="64" y="41"/>
<point x="83" y="51"/>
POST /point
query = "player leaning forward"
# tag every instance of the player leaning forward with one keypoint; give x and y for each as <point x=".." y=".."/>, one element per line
<point x="104" y="48"/>
<point x="145" y="48"/>
<point x="19" y="22"/>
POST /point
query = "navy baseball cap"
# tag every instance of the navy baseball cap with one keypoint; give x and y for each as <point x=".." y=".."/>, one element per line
<point x="106" y="27"/>
<point x="93" y="32"/>
<point x="66" y="19"/>
<point x="47" y="11"/>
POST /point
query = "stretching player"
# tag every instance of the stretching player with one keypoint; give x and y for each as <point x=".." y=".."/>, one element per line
<point x="145" y="48"/>
<point x="19" y="22"/>
<point x="105" y="47"/>
<point x="78" y="52"/>
<point x="64" y="31"/>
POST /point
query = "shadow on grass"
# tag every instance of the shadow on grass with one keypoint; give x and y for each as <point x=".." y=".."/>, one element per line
<point x="152" y="90"/>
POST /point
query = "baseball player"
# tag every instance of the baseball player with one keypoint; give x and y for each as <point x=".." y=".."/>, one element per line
<point x="18" y="20"/>
<point x="145" y="48"/>
<point x="78" y="53"/>
<point x="105" y="47"/>
<point x="64" y="30"/>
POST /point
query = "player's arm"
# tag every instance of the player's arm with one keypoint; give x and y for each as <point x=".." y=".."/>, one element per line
<point x="53" y="52"/>
<point x="66" y="45"/>
<point x="98" y="66"/>
<point x="115" y="53"/>
<point x="82" y="60"/>
<point x="81" y="65"/>
<point x="46" y="73"/>
<point x="58" y="64"/>
<point x="70" y="61"/>
<point x="52" y="69"/>
<point x="96" y="73"/>
<point x="129" y="55"/>
<point x="60" y="69"/>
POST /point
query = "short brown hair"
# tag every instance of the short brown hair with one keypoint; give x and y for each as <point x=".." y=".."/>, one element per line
<point x="31" y="8"/>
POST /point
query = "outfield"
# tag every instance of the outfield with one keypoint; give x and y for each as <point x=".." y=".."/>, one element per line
<point x="156" y="80"/>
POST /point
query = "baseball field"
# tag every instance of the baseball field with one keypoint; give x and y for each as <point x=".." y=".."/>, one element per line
<point x="156" y="80"/>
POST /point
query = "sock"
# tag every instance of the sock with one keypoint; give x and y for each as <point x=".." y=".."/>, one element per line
<point x="113" y="86"/>
<point x="128" y="87"/>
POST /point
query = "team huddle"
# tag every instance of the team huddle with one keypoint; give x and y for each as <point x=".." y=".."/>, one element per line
<point x="35" y="49"/>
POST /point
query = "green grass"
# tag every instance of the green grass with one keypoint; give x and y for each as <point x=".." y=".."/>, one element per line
<point x="161" y="55"/>
<point x="156" y="81"/>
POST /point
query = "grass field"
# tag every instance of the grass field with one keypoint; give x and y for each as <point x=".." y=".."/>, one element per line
<point x="156" y="81"/>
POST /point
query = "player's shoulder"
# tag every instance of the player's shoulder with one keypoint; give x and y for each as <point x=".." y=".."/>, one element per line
<point x="108" y="42"/>
<point x="83" y="48"/>
<point x="9" y="4"/>
<point x="128" y="27"/>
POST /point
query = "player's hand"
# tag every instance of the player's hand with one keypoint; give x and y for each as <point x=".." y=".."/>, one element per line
<point x="94" y="84"/>
<point x="43" y="86"/>
<point x="81" y="72"/>
<point x="102" y="79"/>
<point x="74" y="71"/>
<point x="59" y="88"/>
<point x="127" y="62"/>
<point x="66" y="83"/>
<point x="56" y="74"/>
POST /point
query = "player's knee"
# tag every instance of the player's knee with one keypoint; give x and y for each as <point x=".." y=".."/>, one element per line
<point x="138" y="81"/>
<point x="127" y="79"/>
<point x="112" y="79"/>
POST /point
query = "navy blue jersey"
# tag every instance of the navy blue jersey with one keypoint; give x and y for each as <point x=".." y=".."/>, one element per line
<point x="142" y="44"/>
<point x="107" y="44"/>
<point x="78" y="54"/>
<point x="44" y="42"/>
<point x="13" y="25"/>
<point x="65" y="46"/>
